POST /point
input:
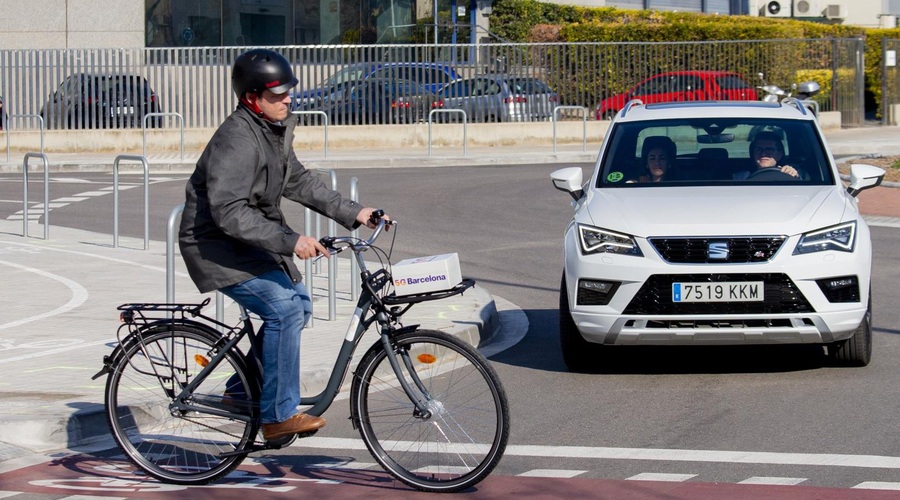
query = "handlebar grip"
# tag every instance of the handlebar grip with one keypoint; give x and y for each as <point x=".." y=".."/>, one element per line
<point x="376" y="216"/>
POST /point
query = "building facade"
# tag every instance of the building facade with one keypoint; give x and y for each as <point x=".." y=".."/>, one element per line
<point x="81" y="24"/>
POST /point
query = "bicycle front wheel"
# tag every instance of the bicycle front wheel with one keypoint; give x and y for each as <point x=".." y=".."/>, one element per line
<point x="462" y="436"/>
<point x="175" y="446"/>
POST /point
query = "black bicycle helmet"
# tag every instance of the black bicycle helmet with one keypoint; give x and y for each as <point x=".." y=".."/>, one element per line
<point x="261" y="69"/>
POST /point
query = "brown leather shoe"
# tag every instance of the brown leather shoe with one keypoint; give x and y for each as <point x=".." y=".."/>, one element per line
<point x="297" y="424"/>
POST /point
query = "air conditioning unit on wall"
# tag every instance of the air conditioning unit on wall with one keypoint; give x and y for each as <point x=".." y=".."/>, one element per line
<point x="807" y="8"/>
<point x="776" y="8"/>
<point x="835" y="11"/>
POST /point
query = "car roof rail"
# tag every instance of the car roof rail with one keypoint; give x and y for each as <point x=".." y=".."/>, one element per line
<point x="793" y="101"/>
<point x="630" y="104"/>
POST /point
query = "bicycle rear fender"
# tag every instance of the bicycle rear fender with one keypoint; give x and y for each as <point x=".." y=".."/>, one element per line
<point x="152" y="327"/>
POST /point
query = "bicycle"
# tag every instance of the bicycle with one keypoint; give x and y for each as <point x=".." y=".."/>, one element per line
<point x="181" y="397"/>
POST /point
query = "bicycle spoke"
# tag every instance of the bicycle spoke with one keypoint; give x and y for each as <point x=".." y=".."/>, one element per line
<point x="463" y="434"/>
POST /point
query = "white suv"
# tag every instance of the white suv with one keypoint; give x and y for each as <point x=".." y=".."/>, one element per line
<point x="719" y="250"/>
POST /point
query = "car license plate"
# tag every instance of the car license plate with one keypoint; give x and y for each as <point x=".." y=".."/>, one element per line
<point x="122" y="110"/>
<point x="725" y="291"/>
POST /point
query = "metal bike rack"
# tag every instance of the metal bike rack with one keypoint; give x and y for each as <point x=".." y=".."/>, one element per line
<point x="144" y="130"/>
<point x="170" y="267"/>
<point x="170" y="252"/>
<point x="6" y="128"/>
<point x="143" y="161"/>
<point x="324" y="117"/>
<point x="584" y="113"/>
<point x="308" y="270"/>
<point x="465" y="127"/>
<point x="332" y="263"/>
<point x="46" y="162"/>
<point x="354" y="267"/>
<point x="811" y="105"/>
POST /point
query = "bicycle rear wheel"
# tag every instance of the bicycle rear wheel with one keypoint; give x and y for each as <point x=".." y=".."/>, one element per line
<point x="465" y="435"/>
<point x="171" y="445"/>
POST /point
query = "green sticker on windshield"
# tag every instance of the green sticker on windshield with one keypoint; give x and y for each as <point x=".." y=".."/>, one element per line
<point x="615" y="176"/>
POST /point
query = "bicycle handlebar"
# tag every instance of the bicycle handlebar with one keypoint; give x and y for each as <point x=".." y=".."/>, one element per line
<point x="337" y="244"/>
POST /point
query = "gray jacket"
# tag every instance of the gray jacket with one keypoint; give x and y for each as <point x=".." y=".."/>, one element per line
<point x="232" y="228"/>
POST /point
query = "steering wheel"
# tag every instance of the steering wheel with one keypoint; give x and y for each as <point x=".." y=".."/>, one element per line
<point x="771" y="174"/>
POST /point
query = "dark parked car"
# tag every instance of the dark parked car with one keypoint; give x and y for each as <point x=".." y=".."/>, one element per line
<point x="373" y="101"/>
<point x="432" y="76"/>
<point x="101" y="101"/>
<point x="497" y="98"/>
<point x="681" y="86"/>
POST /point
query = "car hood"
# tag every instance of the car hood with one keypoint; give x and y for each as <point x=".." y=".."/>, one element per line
<point x="697" y="211"/>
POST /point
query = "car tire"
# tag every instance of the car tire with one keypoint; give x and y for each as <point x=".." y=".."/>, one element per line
<point x="578" y="354"/>
<point x="609" y="114"/>
<point x="857" y="350"/>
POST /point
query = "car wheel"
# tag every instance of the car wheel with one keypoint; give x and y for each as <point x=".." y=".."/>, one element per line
<point x="857" y="350"/>
<point x="609" y="114"/>
<point x="578" y="354"/>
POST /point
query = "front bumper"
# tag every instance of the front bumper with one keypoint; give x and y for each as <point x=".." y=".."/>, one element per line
<point x="801" y="314"/>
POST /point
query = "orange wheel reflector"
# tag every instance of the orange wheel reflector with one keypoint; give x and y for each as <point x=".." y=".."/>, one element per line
<point x="201" y="360"/>
<point x="427" y="358"/>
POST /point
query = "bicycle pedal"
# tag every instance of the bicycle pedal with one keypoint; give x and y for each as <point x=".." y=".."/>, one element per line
<point x="276" y="444"/>
<point x="307" y="434"/>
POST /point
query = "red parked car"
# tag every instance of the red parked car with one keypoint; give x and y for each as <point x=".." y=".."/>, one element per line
<point x="681" y="86"/>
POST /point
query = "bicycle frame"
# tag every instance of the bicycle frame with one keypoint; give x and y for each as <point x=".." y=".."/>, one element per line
<point x="361" y="320"/>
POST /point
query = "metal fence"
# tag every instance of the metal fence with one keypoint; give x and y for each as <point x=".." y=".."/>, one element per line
<point x="195" y="82"/>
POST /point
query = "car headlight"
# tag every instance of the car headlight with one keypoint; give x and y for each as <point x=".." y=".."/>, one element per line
<point x="596" y="240"/>
<point x="841" y="238"/>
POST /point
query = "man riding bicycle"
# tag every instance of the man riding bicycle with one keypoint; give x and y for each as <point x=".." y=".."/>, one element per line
<point x="233" y="235"/>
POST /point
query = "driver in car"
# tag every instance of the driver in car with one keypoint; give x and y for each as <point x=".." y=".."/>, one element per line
<point x="767" y="151"/>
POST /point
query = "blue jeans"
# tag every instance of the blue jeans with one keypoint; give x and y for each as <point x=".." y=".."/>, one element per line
<point x="284" y="308"/>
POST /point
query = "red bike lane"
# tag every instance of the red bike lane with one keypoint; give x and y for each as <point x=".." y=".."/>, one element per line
<point x="87" y="475"/>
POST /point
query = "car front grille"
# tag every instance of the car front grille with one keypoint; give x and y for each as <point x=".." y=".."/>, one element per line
<point x="697" y="250"/>
<point x="781" y="296"/>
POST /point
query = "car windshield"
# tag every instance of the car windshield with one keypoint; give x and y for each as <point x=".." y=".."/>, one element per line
<point x="529" y="86"/>
<point x="706" y="151"/>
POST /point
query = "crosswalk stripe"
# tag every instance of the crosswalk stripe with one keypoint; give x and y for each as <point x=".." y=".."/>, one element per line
<point x="660" y="476"/>
<point x="783" y="481"/>
<point x="559" y="473"/>
<point x="877" y="485"/>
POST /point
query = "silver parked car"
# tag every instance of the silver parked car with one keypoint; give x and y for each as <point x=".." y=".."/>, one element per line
<point x="497" y="98"/>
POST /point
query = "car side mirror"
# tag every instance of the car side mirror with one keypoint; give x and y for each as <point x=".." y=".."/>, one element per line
<point x="864" y="177"/>
<point x="569" y="180"/>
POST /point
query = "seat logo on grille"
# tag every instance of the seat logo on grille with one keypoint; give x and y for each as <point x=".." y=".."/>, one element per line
<point x="718" y="250"/>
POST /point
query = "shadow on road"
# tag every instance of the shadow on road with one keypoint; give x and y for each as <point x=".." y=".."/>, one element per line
<point x="540" y="350"/>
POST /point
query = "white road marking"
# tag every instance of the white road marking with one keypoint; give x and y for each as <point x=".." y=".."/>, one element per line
<point x="877" y="485"/>
<point x="658" y="454"/>
<point x="563" y="473"/>
<point x="783" y="481"/>
<point x="79" y="295"/>
<point x="659" y="476"/>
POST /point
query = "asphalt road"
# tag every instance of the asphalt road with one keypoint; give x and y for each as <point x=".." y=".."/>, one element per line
<point x="800" y="418"/>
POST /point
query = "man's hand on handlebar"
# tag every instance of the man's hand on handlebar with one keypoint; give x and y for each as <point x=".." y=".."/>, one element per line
<point x="369" y="217"/>
<point x="308" y="248"/>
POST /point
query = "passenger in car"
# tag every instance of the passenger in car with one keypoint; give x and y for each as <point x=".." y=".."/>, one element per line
<point x="657" y="158"/>
<point x="767" y="151"/>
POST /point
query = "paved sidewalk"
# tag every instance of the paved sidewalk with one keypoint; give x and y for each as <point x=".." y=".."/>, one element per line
<point x="58" y="316"/>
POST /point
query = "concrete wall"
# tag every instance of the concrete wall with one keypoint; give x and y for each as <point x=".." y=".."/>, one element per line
<point x="71" y="24"/>
<point x="402" y="137"/>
